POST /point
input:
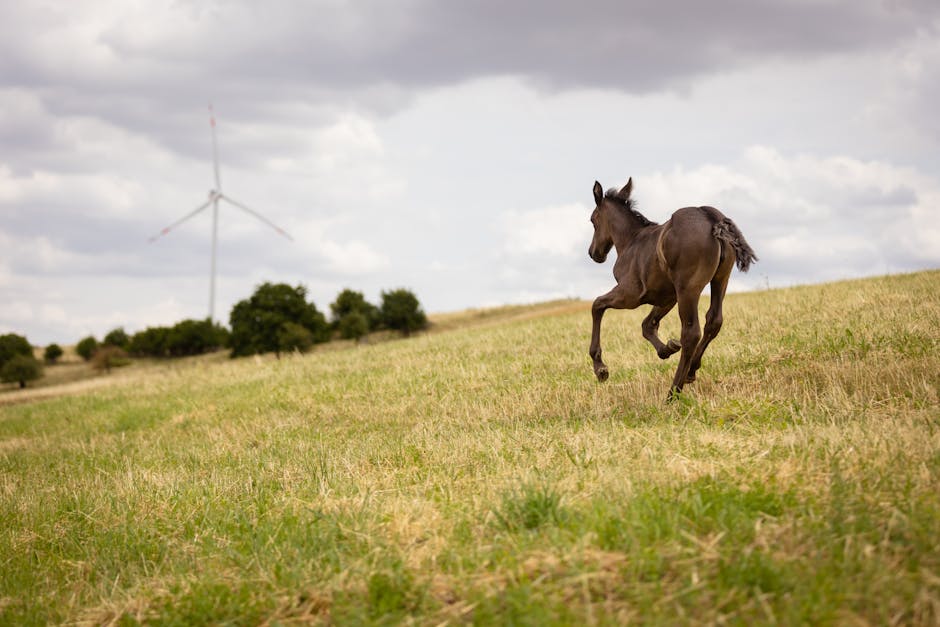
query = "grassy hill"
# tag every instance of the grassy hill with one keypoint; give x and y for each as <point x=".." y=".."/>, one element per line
<point x="480" y="474"/>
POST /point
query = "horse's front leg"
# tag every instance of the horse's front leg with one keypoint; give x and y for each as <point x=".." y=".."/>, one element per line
<point x="614" y="299"/>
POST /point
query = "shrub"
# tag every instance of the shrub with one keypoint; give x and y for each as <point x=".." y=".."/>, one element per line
<point x="151" y="342"/>
<point x="109" y="356"/>
<point x="353" y="326"/>
<point x="52" y="353"/>
<point x="12" y="345"/>
<point x="257" y="321"/>
<point x="195" y="337"/>
<point x="401" y="311"/>
<point x="86" y="347"/>
<point x="293" y="337"/>
<point x="117" y="337"/>
<point x="349" y="302"/>
<point x="20" y="369"/>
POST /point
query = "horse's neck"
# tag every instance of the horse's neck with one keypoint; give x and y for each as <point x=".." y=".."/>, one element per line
<point x="625" y="230"/>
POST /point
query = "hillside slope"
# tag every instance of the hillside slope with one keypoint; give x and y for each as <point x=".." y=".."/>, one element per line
<point x="482" y="475"/>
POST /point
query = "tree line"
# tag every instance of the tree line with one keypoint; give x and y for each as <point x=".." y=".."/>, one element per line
<point x="275" y="318"/>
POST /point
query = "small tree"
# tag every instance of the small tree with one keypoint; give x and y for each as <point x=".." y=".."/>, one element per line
<point x="52" y="354"/>
<point x="12" y="345"/>
<point x="20" y="369"/>
<point x="257" y="321"/>
<point x="348" y="302"/>
<point x="117" y="337"/>
<point x="195" y="337"/>
<point x="353" y="326"/>
<point x="86" y="347"/>
<point x="401" y="311"/>
<point x="151" y="342"/>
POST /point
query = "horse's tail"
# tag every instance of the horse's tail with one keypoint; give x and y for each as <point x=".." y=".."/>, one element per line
<point x="725" y="230"/>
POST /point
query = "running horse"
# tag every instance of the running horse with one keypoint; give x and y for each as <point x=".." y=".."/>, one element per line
<point x="661" y="265"/>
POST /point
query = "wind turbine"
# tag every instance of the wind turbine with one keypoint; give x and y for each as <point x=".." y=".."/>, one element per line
<point x="215" y="195"/>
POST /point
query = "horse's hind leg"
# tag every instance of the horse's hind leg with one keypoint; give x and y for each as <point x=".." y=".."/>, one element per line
<point x="713" y="317"/>
<point x="691" y="334"/>
<point x="651" y="331"/>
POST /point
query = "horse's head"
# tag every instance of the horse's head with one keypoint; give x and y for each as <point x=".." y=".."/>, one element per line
<point x="603" y="239"/>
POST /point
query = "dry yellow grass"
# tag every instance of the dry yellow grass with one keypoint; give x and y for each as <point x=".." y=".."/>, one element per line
<point x="482" y="475"/>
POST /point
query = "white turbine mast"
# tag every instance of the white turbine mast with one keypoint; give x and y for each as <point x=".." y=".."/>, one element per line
<point x="215" y="195"/>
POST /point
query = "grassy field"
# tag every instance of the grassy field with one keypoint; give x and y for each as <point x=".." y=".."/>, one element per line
<point x="481" y="475"/>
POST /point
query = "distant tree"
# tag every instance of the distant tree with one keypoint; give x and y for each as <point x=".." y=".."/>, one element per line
<point x="348" y="302"/>
<point x="151" y="342"/>
<point x="12" y="345"/>
<point x="117" y="337"/>
<point x="86" y="347"/>
<point x="52" y="353"/>
<point x="20" y="369"/>
<point x="353" y="326"/>
<point x="400" y="310"/>
<point x="294" y="337"/>
<point x="195" y="337"/>
<point x="257" y="321"/>
<point x="109" y="356"/>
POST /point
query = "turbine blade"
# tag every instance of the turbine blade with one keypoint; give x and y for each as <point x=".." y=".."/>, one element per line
<point x="180" y="221"/>
<point x="257" y="215"/>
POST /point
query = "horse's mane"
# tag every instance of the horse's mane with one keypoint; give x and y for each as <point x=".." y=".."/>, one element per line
<point x="628" y="206"/>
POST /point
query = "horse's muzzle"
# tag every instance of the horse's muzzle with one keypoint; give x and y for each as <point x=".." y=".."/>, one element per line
<point x="597" y="256"/>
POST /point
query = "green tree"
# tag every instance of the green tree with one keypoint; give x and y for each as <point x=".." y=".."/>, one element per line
<point x="151" y="342"/>
<point x="52" y="353"/>
<point x="12" y="345"/>
<point x="20" y="369"/>
<point x="400" y="310"/>
<point x="256" y="321"/>
<point x="117" y="337"/>
<point x="86" y="347"/>
<point x="353" y="326"/>
<point x="348" y="302"/>
<point x="294" y="337"/>
<point x="195" y="337"/>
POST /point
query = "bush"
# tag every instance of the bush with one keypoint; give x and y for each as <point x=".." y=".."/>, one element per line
<point x="353" y="326"/>
<point x="12" y="345"/>
<point x="257" y="322"/>
<point x="293" y="337"/>
<point x="109" y="356"/>
<point x="401" y="311"/>
<point x="351" y="302"/>
<point x="117" y="337"/>
<point x="52" y="354"/>
<point x="20" y="369"/>
<point x="151" y="342"/>
<point x="86" y="347"/>
<point x="195" y="337"/>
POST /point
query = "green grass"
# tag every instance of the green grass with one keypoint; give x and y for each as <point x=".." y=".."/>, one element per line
<point x="481" y="475"/>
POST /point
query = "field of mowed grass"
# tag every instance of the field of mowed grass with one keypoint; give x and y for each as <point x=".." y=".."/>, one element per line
<point x="482" y="475"/>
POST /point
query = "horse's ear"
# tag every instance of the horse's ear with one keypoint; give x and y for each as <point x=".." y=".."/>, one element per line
<point x="625" y="192"/>
<point x="598" y="193"/>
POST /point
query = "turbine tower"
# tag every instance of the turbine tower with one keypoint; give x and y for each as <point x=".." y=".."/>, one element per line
<point x="215" y="195"/>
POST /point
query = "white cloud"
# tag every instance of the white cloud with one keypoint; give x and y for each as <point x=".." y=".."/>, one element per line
<point x="560" y="231"/>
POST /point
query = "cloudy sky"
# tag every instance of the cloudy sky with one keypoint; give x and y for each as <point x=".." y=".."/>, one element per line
<point x="447" y="147"/>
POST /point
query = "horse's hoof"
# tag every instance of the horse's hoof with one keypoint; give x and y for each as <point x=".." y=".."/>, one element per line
<point x="690" y="378"/>
<point x="671" y="348"/>
<point x="602" y="373"/>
